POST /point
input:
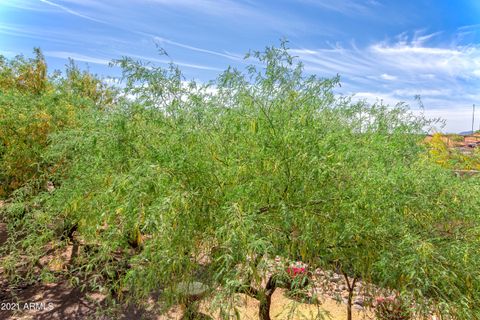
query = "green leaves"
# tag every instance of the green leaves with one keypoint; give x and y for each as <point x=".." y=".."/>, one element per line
<point x="185" y="181"/>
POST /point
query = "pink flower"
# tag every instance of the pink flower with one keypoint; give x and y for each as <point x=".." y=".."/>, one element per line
<point x="294" y="271"/>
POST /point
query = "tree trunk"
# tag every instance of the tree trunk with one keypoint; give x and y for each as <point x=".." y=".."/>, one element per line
<point x="265" y="298"/>
<point x="350" y="295"/>
<point x="349" y="305"/>
<point x="264" y="312"/>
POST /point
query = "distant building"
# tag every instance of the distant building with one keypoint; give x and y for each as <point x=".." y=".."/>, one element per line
<point x="458" y="141"/>
<point x="472" y="141"/>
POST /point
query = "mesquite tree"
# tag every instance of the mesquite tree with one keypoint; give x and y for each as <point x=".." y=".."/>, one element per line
<point x="208" y="184"/>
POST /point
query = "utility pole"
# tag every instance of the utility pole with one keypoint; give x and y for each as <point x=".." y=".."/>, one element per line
<point x="473" y="117"/>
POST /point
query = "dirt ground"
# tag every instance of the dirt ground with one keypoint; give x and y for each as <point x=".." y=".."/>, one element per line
<point x="59" y="301"/>
<point x="285" y="308"/>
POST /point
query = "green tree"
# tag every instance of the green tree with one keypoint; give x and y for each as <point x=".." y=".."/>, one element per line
<point x="182" y="183"/>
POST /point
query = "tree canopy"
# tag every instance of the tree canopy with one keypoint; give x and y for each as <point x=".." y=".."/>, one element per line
<point x="174" y="182"/>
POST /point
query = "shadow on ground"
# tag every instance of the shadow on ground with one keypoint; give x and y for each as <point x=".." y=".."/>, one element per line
<point x="58" y="301"/>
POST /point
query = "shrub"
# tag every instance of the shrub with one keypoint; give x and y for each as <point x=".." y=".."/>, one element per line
<point x="393" y="308"/>
<point x="32" y="107"/>
<point x="177" y="184"/>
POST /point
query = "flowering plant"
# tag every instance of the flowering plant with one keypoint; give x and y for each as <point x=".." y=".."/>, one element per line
<point x="297" y="283"/>
<point x="294" y="271"/>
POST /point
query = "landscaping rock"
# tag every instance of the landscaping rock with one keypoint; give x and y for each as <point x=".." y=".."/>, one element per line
<point x="335" y="278"/>
<point x="359" y="301"/>
<point x="358" y="307"/>
<point x="194" y="291"/>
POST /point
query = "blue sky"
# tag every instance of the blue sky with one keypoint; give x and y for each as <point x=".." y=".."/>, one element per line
<point x="382" y="49"/>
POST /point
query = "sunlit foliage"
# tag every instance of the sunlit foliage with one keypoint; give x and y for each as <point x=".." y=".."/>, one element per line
<point x="184" y="182"/>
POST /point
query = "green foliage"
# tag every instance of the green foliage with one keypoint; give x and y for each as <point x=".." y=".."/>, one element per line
<point x="32" y="107"/>
<point x="184" y="183"/>
<point x="84" y="85"/>
<point x="438" y="151"/>
<point x="450" y="158"/>
<point x="456" y="137"/>
<point x="24" y="75"/>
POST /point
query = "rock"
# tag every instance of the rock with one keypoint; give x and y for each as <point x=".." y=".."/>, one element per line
<point x="335" y="278"/>
<point x="359" y="301"/>
<point x="50" y="186"/>
<point x="192" y="290"/>
<point x="358" y="307"/>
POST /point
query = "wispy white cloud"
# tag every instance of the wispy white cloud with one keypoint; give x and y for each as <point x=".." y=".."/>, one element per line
<point x="73" y="12"/>
<point x="375" y="97"/>
<point x="55" y="36"/>
<point x="195" y="66"/>
<point x="419" y="39"/>
<point x="96" y="60"/>
<point x="469" y="27"/>
<point x="26" y="5"/>
<point x="179" y="63"/>
<point x="410" y="92"/>
<point x="389" y="77"/>
<point x="207" y="5"/>
<point x="210" y="7"/>
<point x="85" y="3"/>
<point x="76" y="56"/>
<point x="445" y="77"/>
<point x="34" y="33"/>
<point x="401" y="60"/>
<point x="243" y="14"/>
<point x="230" y="56"/>
<point x="458" y="62"/>
<point x="346" y="7"/>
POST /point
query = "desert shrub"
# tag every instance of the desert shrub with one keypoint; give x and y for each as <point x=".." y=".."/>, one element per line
<point x="25" y="125"/>
<point x="438" y="151"/>
<point x="32" y="107"/>
<point x="450" y="158"/>
<point x="189" y="183"/>
<point x="87" y="86"/>
<point x="456" y="137"/>
<point x="24" y="75"/>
